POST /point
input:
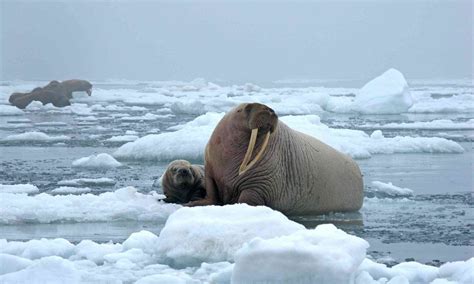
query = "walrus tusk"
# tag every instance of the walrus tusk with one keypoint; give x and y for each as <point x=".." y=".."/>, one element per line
<point x="248" y="154"/>
<point x="244" y="166"/>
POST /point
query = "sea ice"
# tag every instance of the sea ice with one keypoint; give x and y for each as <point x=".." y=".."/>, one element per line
<point x="35" y="136"/>
<point x="389" y="189"/>
<point x="123" y="204"/>
<point x="122" y="138"/>
<point x="386" y="94"/>
<point x="70" y="190"/>
<point x="6" y="110"/>
<point x="323" y="255"/>
<point x="18" y="188"/>
<point x="87" y="181"/>
<point x="103" y="160"/>
<point x="215" y="233"/>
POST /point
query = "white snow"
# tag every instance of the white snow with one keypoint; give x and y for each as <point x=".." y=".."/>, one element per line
<point x="18" y="188"/>
<point x="190" y="139"/>
<point x="148" y="116"/>
<point x="122" y="138"/>
<point x="389" y="189"/>
<point x="123" y="204"/>
<point x="430" y="125"/>
<point x="35" y="136"/>
<point x="386" y="94"/>
<point x="87" y="181"/>
<point x="323" y="255"/>
<point x="6" y="110"/>
<point x="215" y="233"/>
<point x="70" y="190"/>
<point x="101" y="161"/>
<point x="265" y="246"/>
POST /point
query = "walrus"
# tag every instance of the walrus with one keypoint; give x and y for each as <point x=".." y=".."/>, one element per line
<point x="252" y="157"/>
<point x="55" y="92"/>
<point x="183" y="182"/>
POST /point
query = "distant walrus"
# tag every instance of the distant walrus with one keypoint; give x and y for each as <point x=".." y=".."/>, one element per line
<point x="56" y="93"/>
<point x="291" y="172"/>
<point x="183" y="182"/>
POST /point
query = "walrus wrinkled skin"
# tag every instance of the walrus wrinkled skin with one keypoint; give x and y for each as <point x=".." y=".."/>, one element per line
<point x="56" y="93"/>
<point x="289" y="171"/>
<point x="183" y="182"/>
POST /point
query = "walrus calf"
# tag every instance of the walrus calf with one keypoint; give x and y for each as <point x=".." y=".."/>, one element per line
<point x="56" y="93"/>
<point x="291" y="172"/>
<point x="183" y="182"/>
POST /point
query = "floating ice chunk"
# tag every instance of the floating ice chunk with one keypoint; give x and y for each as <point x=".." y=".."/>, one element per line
<point x="51" y="123"/>
<point x="51" y="269"/>
<point x="6" y="110"/>
<point x="386" y="94"/>
<point x="11" y="263"/>
<point x="88" y="181"/>
<point x="102" y="160"/>
<point x="162" y="278"/>
<point x="215" y="233"/>
<point x="133" y="256"/>
<point x="188" y="142"/>
<point x="18" y="188"/>
<point x="146" y="117"/>
<point x="124" y="204"/>
<point x="35" y="136"/>
<point x="389" y="189"/>
<point x="35" y="249"/>
<point x="323" y="255"/>
<point x="70" y="190"/>
<point x="122" y="138"/>
<point x="430" y="125"/>
<point x="95" y="252"/>
<point x="463" y="103"/>
<point x="144" y="240"/>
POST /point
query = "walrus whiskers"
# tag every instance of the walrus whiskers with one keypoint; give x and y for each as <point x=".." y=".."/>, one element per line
<point x="245" y="165"/>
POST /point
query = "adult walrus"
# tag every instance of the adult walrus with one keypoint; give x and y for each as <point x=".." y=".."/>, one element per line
<point x="56" y="93"/>
<point x="291" y="172"/>
<point x="183" y="182"/>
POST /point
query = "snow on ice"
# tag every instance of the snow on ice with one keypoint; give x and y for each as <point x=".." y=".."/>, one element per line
<point x="100" y="161"/>
<point x="283" y="252"/>
<point x="190" y="139"/>
<point x="388" y="189"/>
<point x="18" y="188"/>
<point x="35" y="136"/>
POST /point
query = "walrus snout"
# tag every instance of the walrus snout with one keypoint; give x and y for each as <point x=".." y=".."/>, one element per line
<point x="184" y="172"/>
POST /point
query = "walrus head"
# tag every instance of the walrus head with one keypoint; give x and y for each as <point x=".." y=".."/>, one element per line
<point x="259" y="119"/>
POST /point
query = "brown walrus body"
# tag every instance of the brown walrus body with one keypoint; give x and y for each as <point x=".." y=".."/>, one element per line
<point x="56" y="93"/>
<point x="183" y="182"/>
<point x="292" y="172"/>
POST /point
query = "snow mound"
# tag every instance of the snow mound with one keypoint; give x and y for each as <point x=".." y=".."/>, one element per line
<point x="215" y="233"/>
<point x="103" y="160"/>
<point x="386" y="94"/>
<point x="18" y="188"/>
<point x="187" y="142"/>
<point x="388" y="189"/>
<point x="123" y="204"/>
<point x="323" y="255"/>
<point x="87" y="181"/>
<point x="6" y="110"/>
<point x="35" y="136"/>
<point x="11" y="263"/>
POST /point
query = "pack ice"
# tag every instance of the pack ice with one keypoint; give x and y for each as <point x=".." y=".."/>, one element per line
<point x="218" y="244"/>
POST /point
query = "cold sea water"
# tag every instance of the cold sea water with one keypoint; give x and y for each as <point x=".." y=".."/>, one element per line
<point x="432" y="223"/>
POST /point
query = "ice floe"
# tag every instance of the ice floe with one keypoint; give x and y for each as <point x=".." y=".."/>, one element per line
<point x="388" y="189"/>
<point x="122" y="138"/>
<point x="190" y="139"/>
<point x="100" y="161"/>
<point x="6" y="110"/>
<point x="428" y="125"/>
<point x="18" y="188"/>
<point x="280" y="251"/>
<point x="35" y="136"/>
<point x="70" y="190"/>
<point x="87" y="181"/>
<point x="123" y="204"/>
<point x="386" y="94"/>
<point x="215" y="233"/>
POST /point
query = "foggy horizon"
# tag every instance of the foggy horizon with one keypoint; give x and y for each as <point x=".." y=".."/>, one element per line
<point x="235" y="41"/>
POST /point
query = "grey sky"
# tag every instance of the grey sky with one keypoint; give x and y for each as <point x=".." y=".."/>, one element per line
<point x="234" y="40"/>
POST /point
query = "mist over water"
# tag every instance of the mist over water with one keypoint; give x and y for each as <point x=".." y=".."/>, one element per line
<point x="234" y="41"/>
